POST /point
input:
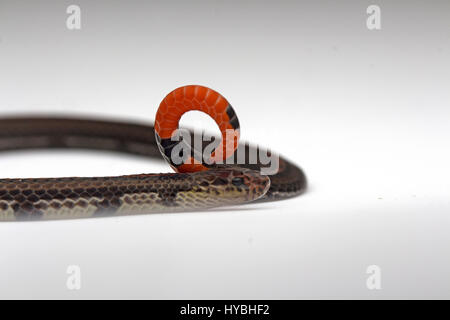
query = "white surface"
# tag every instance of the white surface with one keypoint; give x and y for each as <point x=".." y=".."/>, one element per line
<point x="364" y="113"/>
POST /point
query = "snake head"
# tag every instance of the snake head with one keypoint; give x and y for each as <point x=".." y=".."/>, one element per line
<point x="233" y="185"/>
<point x="251" y="182"/>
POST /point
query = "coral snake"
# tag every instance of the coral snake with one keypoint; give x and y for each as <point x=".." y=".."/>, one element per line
<point x="194" y="186"/>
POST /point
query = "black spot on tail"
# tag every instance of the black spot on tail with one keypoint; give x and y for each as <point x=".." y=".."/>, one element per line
<point x="233" y="118"/>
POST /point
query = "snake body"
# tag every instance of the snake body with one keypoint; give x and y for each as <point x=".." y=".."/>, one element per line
<point x="77" y="197"/>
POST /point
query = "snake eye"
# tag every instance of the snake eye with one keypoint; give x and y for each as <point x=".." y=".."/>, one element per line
<point x="237" y="181"/>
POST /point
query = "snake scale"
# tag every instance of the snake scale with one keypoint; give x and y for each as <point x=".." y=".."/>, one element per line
<point x="79" y="197"/>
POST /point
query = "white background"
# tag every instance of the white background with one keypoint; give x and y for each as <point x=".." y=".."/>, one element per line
<point x="364" y="113"/>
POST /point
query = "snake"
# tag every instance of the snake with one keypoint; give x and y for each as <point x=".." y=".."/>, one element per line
<point x="195" y="185"/>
